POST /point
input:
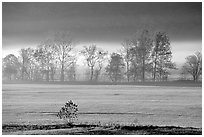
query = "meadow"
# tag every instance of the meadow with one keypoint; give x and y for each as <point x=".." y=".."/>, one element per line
<point x="123" y="104"/>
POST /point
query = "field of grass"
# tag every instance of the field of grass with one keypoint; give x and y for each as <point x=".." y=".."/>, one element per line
<point x="123" y="104"/>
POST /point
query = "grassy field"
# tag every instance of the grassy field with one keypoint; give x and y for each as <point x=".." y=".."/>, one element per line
<point x="124" y="104"/>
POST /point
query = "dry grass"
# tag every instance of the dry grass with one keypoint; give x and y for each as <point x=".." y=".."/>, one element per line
<point x="124" y="104"/>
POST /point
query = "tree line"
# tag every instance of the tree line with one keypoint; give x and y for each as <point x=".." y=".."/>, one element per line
<point x="144" y="56"/>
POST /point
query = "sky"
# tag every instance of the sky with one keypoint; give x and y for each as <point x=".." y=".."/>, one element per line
<point x="103" y="24"/>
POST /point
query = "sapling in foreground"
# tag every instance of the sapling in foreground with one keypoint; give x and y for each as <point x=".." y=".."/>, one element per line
<point x="68" y="112"/>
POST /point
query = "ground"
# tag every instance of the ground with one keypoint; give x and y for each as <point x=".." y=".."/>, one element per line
<point x="119" y="104"/>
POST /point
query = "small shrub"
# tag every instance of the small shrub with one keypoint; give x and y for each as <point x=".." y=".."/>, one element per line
<point x="68" y="112"/>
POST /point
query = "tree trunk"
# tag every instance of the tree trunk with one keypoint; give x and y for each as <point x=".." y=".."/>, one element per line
<point x="143" y="69"/>
<point x="116" y="78"/>
<point x="96" y="75"/>
<point x="92" y="72"/>
<point x="47" y="76"/>
<point x="116" y="75"/>
<point x="22" y="74"/>
<point x="155" y="66"/>
<point x="52" y="75"/>
<point x="23" y="70"/>
<point x="128" y="76"/>
<point x="62" y="73"/>
<point x="160" y="74"/>
<point x="134" y="79"/>
<point x="135" y="73"/>
<point x="195" y="78"/>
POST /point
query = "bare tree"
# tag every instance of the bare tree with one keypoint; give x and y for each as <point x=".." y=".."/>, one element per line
<point x="53" y="69"/>
<point x="193" y="66"/>
<point x="27" y="63"/>
<point x="71" y="72"/>
<point x="45" y="57"/>
<point x="94" y="56"/>
<point x="100" y="64"/>
<point x="126" y="51"/>
<point x="63" y="46"/>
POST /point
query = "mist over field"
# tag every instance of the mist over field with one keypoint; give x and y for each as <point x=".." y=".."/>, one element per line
<point x="109" y="68"/>
<point x="121" y="104"/>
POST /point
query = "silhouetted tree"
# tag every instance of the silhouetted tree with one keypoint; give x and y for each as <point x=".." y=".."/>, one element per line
<point x="71" y="72"/>
<point x="115" y="67"/>
<point x="63" y="46"/>
<point x="135" y="66"/>
<point x="140" y="51"/>
<point x="193" y="66"/>
<point x="10" y="66"/>
<point x="126" y="53"/>
<point x="94" y="56"/>
<point x="161" y="56"/>
<point x="44" y="54"/>
<point x="27" y="63"/>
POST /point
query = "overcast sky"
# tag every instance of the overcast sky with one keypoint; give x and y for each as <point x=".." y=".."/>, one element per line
<point x="105" y="24"/>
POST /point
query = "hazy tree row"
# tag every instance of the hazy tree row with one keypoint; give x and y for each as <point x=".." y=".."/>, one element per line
<point x="144" y="56"/>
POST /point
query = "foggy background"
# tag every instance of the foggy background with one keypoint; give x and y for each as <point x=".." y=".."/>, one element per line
<point x="105" y="24"/>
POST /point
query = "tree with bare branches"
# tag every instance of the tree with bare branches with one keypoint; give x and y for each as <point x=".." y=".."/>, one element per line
<point x="44" y="55"/>
<point x="94" y="56"/>
<point x="193" y="66"/>
<point x="125" y="52"/>
<point x="63" y="46"/>
<point x="27" y="63"/>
